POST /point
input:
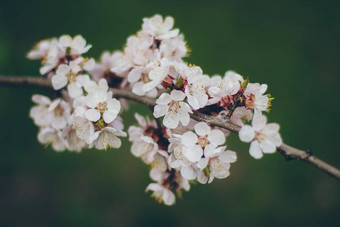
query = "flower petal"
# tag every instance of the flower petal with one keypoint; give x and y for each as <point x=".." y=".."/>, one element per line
<point x="202" y="129"/>
<point x="246" y="134"/>
<point x="92" y="115"/>
<point x="255" y="150"/>
<point x="216" y="136"/>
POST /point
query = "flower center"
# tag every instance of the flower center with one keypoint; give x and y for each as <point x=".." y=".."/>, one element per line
<point x="173" y="107"/>
<point x="145" y="78"/>
<point x="71" y="77"/>
<point x="58" y="111"/>
<point x="203" y="141"/>
<point x="102" y="107"/>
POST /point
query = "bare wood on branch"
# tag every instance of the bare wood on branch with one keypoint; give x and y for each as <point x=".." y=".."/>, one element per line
<point x="287" y="151"/>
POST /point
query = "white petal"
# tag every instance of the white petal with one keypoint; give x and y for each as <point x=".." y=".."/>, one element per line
<point x="193" y="154"/>
<point x="189" y="139"/>
<point x="135" y="75"/>
<point x="171" y="121"/>
<point x="89" y="64"/>
<point x="138" y="88"/>
<point x="109" y="116"/>
<point x="40" y="99"/>
<point x="164" y="99"/>
<point x="63" y="69"/>
<point x="160" y="110"/>
<point x="228" y="156"/>
<point x="168" y="197"/>
<point x="177" y="95"/>
<point x="202" y="163"/>
<point x="188" y="173"/>
<point x="202" y="128"/>
<point x="216" y="137"/>
<point x="255" y="150"/>
<point x="92" y="115"/>
<point x="59" y="81"/>
<point x="74" y="90"/>
<point x="246" y="134"/>
<point x="259" y="121"/>
<point x="268" y="147"/>
<point x="184" y="117"/>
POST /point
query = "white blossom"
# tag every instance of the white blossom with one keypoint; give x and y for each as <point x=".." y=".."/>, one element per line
<point x="101" y="104"/>
<point x="229" y="85"/>
<point x="143" y="145"/>
<point x="161" y="194"/>
<point x="256" y="98"/>
<point x="49" y="135"/>
<point x="159" y="29"/>
<point x="175" y="110"/>
<point x="77" y="44"/>
<point x="265" y="137"/>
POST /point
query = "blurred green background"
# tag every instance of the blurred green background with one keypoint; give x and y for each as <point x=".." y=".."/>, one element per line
<point x="293" y="46"/>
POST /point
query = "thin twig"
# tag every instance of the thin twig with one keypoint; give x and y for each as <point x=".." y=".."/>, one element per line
<point x="287" y="151"/>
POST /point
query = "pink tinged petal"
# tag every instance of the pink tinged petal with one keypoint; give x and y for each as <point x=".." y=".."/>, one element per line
<point x="74" y="90"/>
<point x="246" y="134"/>
<point x="202" y="129"/>
<point x="189" y="139"/>
<point x="188" y="173"/>
<point x="193" y="154"/>
<point x="160" y="110"/>
<point x="259" y="121"/>
<point x="177" y="95"/>
<point x="135" y="75"/>
<point x="164" y="99"/>
<point x="59" y="81"/>
<point x="255" y="150"/>
<point x="63" y="69"/>
<point x="92" y="115"/>
<point x="216" y="136"/>
<point x="171" y="120"/>
<point x="184" y="117"/>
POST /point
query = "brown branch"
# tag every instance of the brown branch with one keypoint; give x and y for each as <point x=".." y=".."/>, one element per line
<point x="287" y="151"/>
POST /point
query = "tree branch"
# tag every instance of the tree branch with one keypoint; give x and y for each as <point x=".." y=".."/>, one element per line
<point x="287" y="151"/>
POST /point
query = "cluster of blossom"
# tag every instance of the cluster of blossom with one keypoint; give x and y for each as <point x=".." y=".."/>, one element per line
<point x="85" y="115"/>
<point x="177" y="148"/>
